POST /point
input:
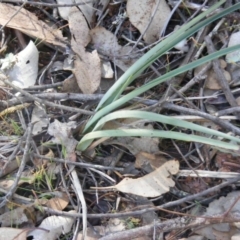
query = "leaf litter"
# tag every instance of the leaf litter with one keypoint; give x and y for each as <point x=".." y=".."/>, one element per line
<point x="88" y="80"/>
<point x="95" y="41"/>
<point x="155" y="183"/>
<point x="29" y="24"/>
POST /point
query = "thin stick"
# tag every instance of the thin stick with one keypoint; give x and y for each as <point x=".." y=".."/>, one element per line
<point x="194" y="80"/>
<point x="45" y="86"/>
<point x="40" y="79"/>
<point x="224" y="124"/>
<point x="13" y="188"/>
<point x="221" y="77"/>
<point x="142" y="211"/>
<point x="79" y="164"/>
<point x="79" y="193"/>
<point x="12" y="156"/>
<point x="228" y="111"/>
<point x="50" y="5"/>
<point x="41" y="101"/>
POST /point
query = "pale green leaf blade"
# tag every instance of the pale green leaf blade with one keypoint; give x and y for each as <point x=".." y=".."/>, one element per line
<point x="155" y="117"/>
<point x="153" y="133"/>
<point x="112" y="106"/>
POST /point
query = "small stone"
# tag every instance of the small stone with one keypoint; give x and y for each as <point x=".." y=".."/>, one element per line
<point x="223" y="64"/>
<point x="212" y="82"/>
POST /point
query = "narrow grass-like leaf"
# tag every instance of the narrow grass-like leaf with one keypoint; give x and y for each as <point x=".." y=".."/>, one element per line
<point x="161" y="119"/>
<point x="110" y="100"/>
<point x="142" y="63"/>
<point x="153" y="133"/>
<point x="119" y="102"/>
<point x="182" y="33"/>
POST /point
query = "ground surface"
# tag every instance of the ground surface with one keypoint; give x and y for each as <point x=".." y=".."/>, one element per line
<point x="56" y="65"/>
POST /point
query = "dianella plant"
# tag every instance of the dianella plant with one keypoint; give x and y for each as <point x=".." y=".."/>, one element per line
<point x="113" y="99"/>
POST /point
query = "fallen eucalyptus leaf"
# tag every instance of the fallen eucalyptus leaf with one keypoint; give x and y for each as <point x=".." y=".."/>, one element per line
<point x="78" y="27"/>
<point x="151" y="185"/>
<point x="87" y="67"/>
<point x="140" y="14"/>
<point x="106" y="42"/>
<point x="29" y="24"/>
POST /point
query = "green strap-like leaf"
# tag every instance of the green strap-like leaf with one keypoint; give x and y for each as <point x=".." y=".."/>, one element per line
<point x="158" y="118"/>
<point x="147" y="59"/>
<point x="119" y="102"/>
<point x="152" y="133"/>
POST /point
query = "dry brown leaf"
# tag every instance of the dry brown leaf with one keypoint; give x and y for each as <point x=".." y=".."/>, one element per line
<point x="22" y="68"/>
<point x="107" y="43"/>
<point x="29" y="24"/>
<point x="87" y="67"/>
<point x="151" y="185"/>
<point x="221" y="235"/>
<point x="235" y="236"/>
<point x="70" y="85"/>
<point x="62" y="133"/>
<point x="233" y="57"/>
<point x="27" y="177"/>
<point x="78" y="27"/>
<point x="41" y="163"/>
<point x="140" y="15"/>
<point x="39" y="119"/>
<point x="148" y="161"/>
<point x="125" y="62"/>
<point x="87" y="70"/>
<point x="55" y="203"/>
<point x="11" y="165"/>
